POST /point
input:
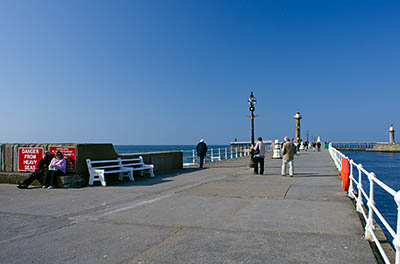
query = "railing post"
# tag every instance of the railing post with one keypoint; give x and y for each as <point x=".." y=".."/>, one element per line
<point x="219" y="154"/>
<point x="226" y="153"/>
<point x="350" y="193"/>
<point x="396" y="240"/>
<point x="194" y="158"/>
<point x="236" y="152"/>
<point x="231" y="153"/>
<point x="369" y="228"/>
<point x="212" y="155"/>
<point x="359" y="187"/>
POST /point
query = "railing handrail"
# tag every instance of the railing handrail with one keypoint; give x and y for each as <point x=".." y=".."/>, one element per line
<point x="337" y="157"/>
<point x="218" y="154"/>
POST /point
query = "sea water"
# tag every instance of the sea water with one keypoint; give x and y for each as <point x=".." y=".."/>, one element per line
<point x="186" y="149"/>
<point x="386" y="167"/>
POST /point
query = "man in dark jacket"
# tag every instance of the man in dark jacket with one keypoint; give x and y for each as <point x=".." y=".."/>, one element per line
<point x="201" y="151"/>
<point x="42" y="167"/>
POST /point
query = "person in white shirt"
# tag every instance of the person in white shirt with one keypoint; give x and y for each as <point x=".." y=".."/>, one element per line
<point x="259" y="155"/>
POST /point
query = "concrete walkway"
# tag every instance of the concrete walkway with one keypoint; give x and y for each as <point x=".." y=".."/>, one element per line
<point x="220" y="214"/>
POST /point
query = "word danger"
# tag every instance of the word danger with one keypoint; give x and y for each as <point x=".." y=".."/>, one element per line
<point x="28" y="158"/>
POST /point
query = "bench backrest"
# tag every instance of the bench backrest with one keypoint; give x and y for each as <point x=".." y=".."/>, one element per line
<point x="103" y="164"/>
<point x="114" y="164"/>
<point x="135" y="162"/>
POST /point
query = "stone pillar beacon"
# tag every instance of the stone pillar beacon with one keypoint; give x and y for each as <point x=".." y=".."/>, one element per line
<point x="297" y="117"/>
<point x="391" y="134"/>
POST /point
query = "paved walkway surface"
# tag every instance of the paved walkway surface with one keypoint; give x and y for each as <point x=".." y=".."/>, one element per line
<point x="220" y="214"/>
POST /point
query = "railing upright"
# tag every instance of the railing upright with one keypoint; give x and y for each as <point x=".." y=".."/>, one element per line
<point x="350" y="193"/>
<point x="212" y="155"/>
<point x="369" y="228"/>
<point x="194" y="158"/>
<point x="236" y="150"/>
<point x="359" y="188"/>
<point x="219" y="154"/>
<point x="226" y="153"/>
<point x="396" y="240"/>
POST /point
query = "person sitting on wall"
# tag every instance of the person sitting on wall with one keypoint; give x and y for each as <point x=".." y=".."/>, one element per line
<point x="57" y="167"/>
<point x="42" y="167"/>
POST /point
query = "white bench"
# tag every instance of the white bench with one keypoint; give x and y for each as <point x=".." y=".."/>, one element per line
<point x="125" y="168"/>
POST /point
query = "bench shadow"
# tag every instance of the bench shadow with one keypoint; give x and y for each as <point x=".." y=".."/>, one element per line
<point x="150" y="181"/>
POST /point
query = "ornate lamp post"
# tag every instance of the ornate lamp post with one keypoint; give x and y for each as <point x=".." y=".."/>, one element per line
<point x="297" y="117"/>
<point x="252" y="102"/>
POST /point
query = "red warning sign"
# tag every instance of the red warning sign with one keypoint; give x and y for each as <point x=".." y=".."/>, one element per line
<point x="69" y="155"/>
<point x="28" y="158"/>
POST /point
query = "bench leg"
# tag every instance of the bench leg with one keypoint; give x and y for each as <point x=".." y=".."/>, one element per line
<point x="131" y="175"/>
<point x="97" y="176"/>
<point x="102" y="179"/>
<point x="151" y="172"/>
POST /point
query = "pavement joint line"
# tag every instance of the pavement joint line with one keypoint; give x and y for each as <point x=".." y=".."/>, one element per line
<point x="83" y="218"/>
<point x="229" y="229"/>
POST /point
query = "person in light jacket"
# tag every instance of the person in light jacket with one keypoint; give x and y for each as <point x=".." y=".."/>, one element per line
<point x="288" y="152"/>
<point x="57" y="167"/>
<point x="259" y="155"/>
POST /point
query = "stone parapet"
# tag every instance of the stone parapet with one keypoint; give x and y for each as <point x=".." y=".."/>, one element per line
<point x="163" y="161"/>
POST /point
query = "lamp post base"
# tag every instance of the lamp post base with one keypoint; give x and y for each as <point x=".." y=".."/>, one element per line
<point x="251" y="162"/>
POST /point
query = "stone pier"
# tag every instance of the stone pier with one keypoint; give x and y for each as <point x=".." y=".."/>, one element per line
<point x="220" y="214"/>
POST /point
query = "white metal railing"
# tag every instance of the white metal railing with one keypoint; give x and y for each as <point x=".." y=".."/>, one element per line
<point x="213" y="155"/>
<point x="361" y="194"/>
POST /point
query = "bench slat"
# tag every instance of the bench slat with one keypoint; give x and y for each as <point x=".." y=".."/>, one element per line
<point x="120" y="166"/>
<point x="104" y="161"/>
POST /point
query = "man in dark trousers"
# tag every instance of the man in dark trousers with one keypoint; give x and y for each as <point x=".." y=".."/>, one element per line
<point x="201" y="151"/>
<point x="42" y="167"/>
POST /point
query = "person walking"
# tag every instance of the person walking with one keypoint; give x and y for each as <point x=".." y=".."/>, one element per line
<point x="288" y="152"/>
<point x="259" y="155"/>
<point x="201" y="151"/>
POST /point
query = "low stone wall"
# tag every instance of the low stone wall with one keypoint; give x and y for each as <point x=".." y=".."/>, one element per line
<point x="9" y="173"/>
<point x="386" y="147"/>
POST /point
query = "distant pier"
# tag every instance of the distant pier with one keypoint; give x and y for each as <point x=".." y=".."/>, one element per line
<point x="367" y="146"/>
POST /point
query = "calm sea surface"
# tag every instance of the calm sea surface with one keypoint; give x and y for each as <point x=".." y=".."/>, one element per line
<point x="187" y="150"/>
<point x="386" y="167"/>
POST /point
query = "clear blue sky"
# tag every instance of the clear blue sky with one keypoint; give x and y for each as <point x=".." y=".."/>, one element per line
<point x="172" y="72"/>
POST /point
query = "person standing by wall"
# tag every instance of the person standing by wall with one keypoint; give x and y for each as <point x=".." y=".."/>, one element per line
<point x="288" y="152"/>
<point x="201" y="151"/>
<point x="259" y="155"/>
